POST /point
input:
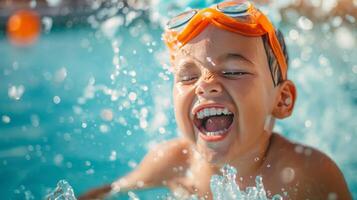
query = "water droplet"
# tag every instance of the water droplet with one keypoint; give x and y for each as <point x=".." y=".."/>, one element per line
<point x="305" y="23"/>
<point x="54" y="3"/>
<point x="184" y="151"/>
<point x="104" y="128"/>
<point x="113" y="155"/>
<point x="106" y="114"/>
<point x="47" y="23"/>
<point x="84" y="125"/>
<point x="132" y="163"/>
<point x="6" y="119"/>
<point x="162" y="130"/>
<point x="308" y="151"/>
<point x="60" y="75"/>
<point x="332" y="196"/>
<point x="354" y="69"/>
<point x="299" y="149"/>
<point x="16" y="92"/>
<point x="56" y="99"/>
<point x="287" y="175"/>
<point x="132" y="96"/>
<point x="58" y="159"/>
<point x="308" y="123"/>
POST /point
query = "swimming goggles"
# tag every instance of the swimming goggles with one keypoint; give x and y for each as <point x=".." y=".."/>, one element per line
<point x="238" y="16"/>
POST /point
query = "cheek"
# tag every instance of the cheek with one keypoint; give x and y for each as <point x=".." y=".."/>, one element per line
<point x="252" y="107"/>
<point x="182" y="104"/>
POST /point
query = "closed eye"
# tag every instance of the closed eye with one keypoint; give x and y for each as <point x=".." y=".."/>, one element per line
<point x="187" y="79"/>
<point x="234" y="73"/>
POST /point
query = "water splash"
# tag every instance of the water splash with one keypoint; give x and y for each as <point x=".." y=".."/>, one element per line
<point x="63" y="191"/>
<point x="224" y="187"/>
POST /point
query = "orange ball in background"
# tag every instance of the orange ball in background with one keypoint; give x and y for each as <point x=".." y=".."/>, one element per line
<point x="24" y="27"/>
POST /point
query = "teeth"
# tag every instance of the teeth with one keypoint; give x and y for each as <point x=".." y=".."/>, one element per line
<point x="206" y="112"/>
<point x="212" y="111"/>
<point x="225" y="111"/>
<point x="216" y="132"/>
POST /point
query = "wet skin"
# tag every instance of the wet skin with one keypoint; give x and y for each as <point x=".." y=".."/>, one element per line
<point x="226" y="69"/>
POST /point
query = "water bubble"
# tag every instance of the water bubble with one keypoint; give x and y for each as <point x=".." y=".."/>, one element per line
<point x="308" y="123"/>
<point x="87" y="163"/>
<point x="308" y="151"/>
<point x="104" y="128"/>
<point x="354" y="69"/>
<point x="6" y="119"/>
<point x="256" y="159"/>
<point x="84" y="125"/>
<point x="67" y="137"/>
<point x="60" y="75"/>
<point x="54" y="3"/>
<point x="305" y="23"/>
<point x="162" y="130"/>
<point x="58" y="159"/>
<point x="16" y="92"/>
<point x="113" y="155"/>
<point x="184" y="151"/>
<point x="345" y="38"/>
<point x="299" y="149"/>
<point x="132" y="96"/>
<point x="56" y="99"/>
<point x="106" y="114"/>
<point x="47" y="23"/>
<point x="294" y="34"/>
<point x="90" y="171"/>
<point x="332" y="196"/>
<point x="143" y="123"/>
<point x="287" y="175"/>
<point x="110" y="26"/>
<point x="35" y="120"/>
<point x="336" y="21"/>
<point x="132" y="163"/>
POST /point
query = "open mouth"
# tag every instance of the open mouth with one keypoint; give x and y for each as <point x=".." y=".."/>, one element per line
<point x="213" y="122"/>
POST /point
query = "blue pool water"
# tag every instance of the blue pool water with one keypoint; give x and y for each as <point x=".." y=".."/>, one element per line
<point x="84" y="104"/>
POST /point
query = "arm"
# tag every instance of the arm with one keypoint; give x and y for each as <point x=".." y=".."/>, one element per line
<point x="156" y="167"/>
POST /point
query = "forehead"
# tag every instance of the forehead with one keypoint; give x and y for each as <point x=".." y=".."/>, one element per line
<point x="214" y="42"/>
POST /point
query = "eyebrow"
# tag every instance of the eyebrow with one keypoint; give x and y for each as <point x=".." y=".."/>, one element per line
<point x="233" y="56"/>
<point x="185" y="65"/>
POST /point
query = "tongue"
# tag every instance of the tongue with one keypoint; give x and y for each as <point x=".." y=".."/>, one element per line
<point x="217" y="123"/>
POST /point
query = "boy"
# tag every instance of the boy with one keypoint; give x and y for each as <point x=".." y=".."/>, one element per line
<point x="230" y="68"/>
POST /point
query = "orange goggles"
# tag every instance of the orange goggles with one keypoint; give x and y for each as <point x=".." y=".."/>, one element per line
<point x="239" y="16"/>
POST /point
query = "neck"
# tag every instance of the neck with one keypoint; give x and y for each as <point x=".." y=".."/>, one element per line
<point x="249" y="163"/>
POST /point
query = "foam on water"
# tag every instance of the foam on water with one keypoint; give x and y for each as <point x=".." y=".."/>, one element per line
<point x="63" y="191"/>
<point x="224" y="187"/>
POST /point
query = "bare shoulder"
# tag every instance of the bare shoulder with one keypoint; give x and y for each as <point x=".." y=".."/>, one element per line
<point x="163" y="162"/>
<point x="310" y="173"/>
<point x="175" y="152"/>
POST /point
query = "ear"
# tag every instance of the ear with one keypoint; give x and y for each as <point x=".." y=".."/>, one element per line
<point x="285" y="100"/>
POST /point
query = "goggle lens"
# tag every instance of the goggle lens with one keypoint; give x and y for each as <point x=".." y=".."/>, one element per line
<point x="234" y="8"/>
<point x="181" y="19"/>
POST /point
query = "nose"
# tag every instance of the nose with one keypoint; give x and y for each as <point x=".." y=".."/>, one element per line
<point x="208" y="86"/>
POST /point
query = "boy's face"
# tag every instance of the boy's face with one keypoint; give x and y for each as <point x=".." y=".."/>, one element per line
<point x="223" y="70"/>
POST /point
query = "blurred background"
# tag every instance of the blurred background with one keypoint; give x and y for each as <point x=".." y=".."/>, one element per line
<point x="85" y="88"/>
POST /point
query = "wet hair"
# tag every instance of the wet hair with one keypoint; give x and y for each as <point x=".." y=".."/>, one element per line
<point x="275" y="71"/>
